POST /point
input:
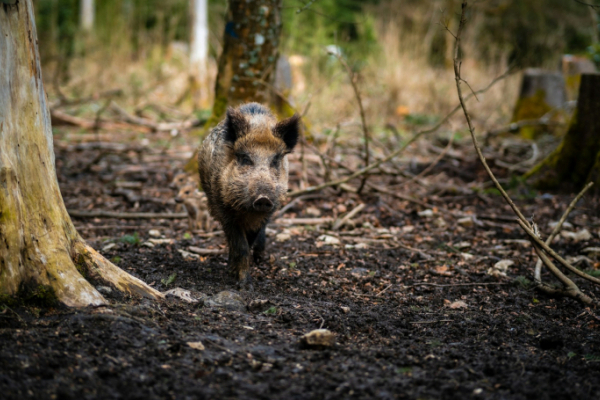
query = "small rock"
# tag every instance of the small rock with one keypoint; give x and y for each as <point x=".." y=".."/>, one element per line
<point x="500" y="268"/>
<point x="458" y="304"/>
<point x="439" y="222"/>
<point x="196" y="345"/>
<point x="462" y="245"/>
<point x="154" y="232"/>
<point x="358" y="272"/>
<point x="426" y="213"/>
<point x="148" y="244"/>
<point x="408" y="228"/>
<point x="160" y="241"/>
<point x="182" y="294"/>
<point x="318" y="338"/>
<point x="104" y="289"/>
<point x="330" y="240"/>
<point x="109" y="246"/>
<point x="361" y="246"/>
<point x="578" y="236"/>
<point x="313" y="212"/>
<point x="341" y="208"/>
<point x="227" y="299"/>
<point x="467" y="256"/>
<point x="346" y="310"/>
<point x="187" y="254"/>
<point x="466" y="221"/>
<point x="283" y="237"/>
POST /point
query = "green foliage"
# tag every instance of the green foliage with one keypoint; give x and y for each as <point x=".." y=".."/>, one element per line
<point x="593" y="272"/>
<point x="115" y="260"/>
<point x="523" y="282"/>
<point x="270" y="311"/>
<point x="170" y="279"/>
<point x="131" y="239"/>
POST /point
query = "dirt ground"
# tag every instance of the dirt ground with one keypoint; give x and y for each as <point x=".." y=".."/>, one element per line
<point x="411" y="295"/>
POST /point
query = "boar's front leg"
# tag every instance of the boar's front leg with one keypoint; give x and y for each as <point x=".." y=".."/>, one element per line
<point x="256" y="240"/>
<point x="239" y="253"/>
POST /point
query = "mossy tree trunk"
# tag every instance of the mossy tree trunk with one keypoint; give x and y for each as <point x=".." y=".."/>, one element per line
<point x="39" y="246"/>
<point x="248" y="61"/>
<point x="541" y="92"/>
<point x="250" y="52"/>
<point x="576" y="161"/>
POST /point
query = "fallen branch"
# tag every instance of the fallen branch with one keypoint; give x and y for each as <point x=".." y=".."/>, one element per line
<point x="342" y="221"/>
<point x="125" y="215"/>
<point x="206" y="252"/>
<point x="152" y="125"/>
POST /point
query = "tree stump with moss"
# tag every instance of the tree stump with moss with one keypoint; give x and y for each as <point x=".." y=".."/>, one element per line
<point x="541" y="92"/>
<point x="572" y="68"/>
<point x="576" y="161"/>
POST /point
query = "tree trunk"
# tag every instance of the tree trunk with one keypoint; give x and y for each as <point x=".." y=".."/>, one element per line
<point x="541" y="92"/>
<point x="199" y="54"/>
<point x="39" y="247"/>
<point x="87" y="14"/>
<point x="250" y="53"/>
<point x="577" y="160"/>
<point x="248" y="60"/>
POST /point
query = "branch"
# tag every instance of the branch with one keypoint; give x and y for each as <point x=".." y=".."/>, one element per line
<point x="363" y="119"/>
<point x="572" y="289"/>
<point x="399" y="150"/>
<point x="561" y="221"/>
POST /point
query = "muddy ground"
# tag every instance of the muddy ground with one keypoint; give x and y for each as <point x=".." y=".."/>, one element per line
<point x="435" y="323"/>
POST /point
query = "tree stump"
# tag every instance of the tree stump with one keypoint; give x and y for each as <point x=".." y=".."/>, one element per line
<point x="572" y="67"/>
<point x="576" y="161"/>
<point x="541" y="92"/>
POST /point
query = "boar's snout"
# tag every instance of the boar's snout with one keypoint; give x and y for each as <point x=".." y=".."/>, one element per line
<point x="178" y="200"/>
<point x="263" y="204"/>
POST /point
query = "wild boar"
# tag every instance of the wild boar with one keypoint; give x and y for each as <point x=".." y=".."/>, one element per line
<point x="244" y="172"/>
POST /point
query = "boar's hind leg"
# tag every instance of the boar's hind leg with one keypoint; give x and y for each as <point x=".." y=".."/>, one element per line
<point x="239" y="254"/>
<point x="256" y="240"/>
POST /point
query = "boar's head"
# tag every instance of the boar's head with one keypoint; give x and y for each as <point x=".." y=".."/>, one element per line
<point x="256" y="175"/>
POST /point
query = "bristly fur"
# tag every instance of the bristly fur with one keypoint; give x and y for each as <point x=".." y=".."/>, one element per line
<point x="242" y="166"/>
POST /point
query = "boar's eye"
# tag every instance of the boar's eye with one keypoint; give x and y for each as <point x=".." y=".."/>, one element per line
<point x="244" y="160"/>
<point x="276" y="160"/>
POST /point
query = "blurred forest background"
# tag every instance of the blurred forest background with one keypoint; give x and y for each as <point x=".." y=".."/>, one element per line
<point x="401" y="49"/>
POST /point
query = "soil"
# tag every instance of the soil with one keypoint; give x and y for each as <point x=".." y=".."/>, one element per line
<point x="426" y="324"/>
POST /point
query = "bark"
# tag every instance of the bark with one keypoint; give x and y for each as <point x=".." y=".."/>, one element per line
<point x="576" y="161"/>
<point x="250" y="53"/>
<point x="248" y="60"/>
<point x="39" y="246"/>
<point x="541" y="92"/>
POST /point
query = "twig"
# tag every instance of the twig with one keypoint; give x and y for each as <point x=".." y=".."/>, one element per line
<point x="365" y="129"/>
<point x="561" y="221"/>
<point x="342" y="221"/>
<point x="206" y="252"/>
<point x="125" y="215"/>
<point x="537" y="241"/>
<point x="417" y="135"/>
<point x="303" y="221"/>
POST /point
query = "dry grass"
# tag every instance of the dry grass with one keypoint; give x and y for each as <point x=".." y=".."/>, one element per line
<point x="395" y="79"/>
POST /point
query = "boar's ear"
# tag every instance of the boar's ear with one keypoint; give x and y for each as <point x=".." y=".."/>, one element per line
<point x="236" y="125"/>
<point x="288" y="130"/>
